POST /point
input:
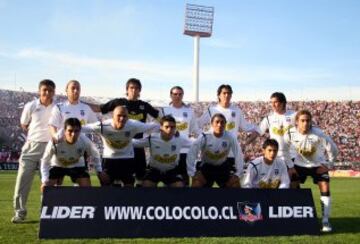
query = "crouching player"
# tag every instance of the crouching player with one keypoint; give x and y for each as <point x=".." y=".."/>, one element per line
<point x="307" y="149"/>
<point x="267" y="171"/>
<point x="66" y="157"/>
<point x="214" y="148"/>
<point x="118" y="155"/>
<point x="164" y="150"/>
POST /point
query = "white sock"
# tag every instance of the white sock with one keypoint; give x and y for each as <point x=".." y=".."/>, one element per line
<point x="325" y="207"/>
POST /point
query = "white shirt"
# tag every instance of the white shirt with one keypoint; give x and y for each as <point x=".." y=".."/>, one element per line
<point x="186" y="123"/>
<point x="261" y="175"/>
<point x="65" y="155"/>
<point x="310" y="150"/>
<point x="37" y="116"/>
<point x="278" y="125"/>
<point x="118" y="142"/>
<point x="65" y="110"/>
<point x="164" y="155"/>
<point x="215" y="150"/>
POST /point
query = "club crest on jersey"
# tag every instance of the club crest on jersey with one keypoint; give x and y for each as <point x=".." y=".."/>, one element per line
<point x="173" y="147"/>
<point x="82" y="112"/>
<point x="127" y="133"/>
<point x="142" y="107"/>
<point x="224" y="144"/>
<point x="233" y="114"/>
<point x="288" y="119"/>
<point x="249" y="211"/>
<point x="276" y="171"/>
<point x="79" y="151"/>
<point x="185" y="114"/>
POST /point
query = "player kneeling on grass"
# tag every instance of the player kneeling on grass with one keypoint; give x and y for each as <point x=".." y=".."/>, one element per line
<point x="307" y="147"/>
<point x="267" y="171"/>
<point x="214" y="148"/>
<point x="66" y="157"/>
<point x="164" y="150"/>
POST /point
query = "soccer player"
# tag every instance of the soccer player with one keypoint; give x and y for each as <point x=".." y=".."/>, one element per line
<point x="186" y="123"/>
<point x="267" y="171"/>
<point x="233" y="114"/>
<point x="165" y="148"/>
<point x="138" y="110"/>
<point x="308" y="147"/>
<point x="65" y="157"/>
<point x="277" y="123"/>
<point x="117" y="134"/>
<point x="34" y="120"/>
<point x="214" y="147"/>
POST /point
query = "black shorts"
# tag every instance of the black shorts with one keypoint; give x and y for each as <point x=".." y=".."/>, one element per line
<point x="74" y="173"/>
<point x="120" y="169"/>
<point x="182" y="164"/>
<point x="167" y="177"/>
<point x="219" y="174"/>
<point x="140" y="163"/>
<point x="303" y="172"/>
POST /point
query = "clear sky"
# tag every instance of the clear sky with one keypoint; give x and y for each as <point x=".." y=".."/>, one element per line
<point x="308" y="49"/>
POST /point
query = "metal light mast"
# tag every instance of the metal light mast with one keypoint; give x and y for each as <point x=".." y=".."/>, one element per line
<point x="198" y="23"/>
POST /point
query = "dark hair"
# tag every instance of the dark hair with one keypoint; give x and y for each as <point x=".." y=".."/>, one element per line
<point x="303" y="112"/>
<point x="218" y="115"/>
<point x="280" y="97"/>
<point x="167" y="118"/>
<point x="271" y="143"/>
<point x="224" y="86"/>
<point x="176" y="87"/>
<point x="74" y="122"/>
<point x="133" y="81"/>
<point x="47" y="82"/>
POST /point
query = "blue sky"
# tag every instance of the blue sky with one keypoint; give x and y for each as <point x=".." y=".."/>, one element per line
<point x="306" y="49"/>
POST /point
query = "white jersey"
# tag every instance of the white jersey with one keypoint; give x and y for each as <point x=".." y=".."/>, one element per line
<point x="65" y="110"/>
<point x="235" y="120"/>
<point x="309" y="150"/>
<point x="164" y="155"/>
<point x="215" y="150"/>
<point x="37" y="116"/>
<point x="65" y="155"/>
<point x="261" y="175"/>
<point x="185" y="121"/>
<point x="278" y="125"/>
<point x="118" y="142"/>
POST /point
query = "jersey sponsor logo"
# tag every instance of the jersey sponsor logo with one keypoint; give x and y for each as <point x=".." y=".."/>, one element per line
<point x="181" y="126"/>
<point x="249" y="211"/>
<point x="65" y="212"/>
<point x="68" y="161"/>
<point x="280" y="131"/>
<point x="270" y="184"/>
<point x="306" y="152"/>
<point x="185" y="114"/>
<point x="135" y="116"/>
<point x="117" y="144"/>
<point x="165" y="159"/>
<point x="291" y="212"/>
<point x="217" y="155"/>
<point x="230" y="126"/>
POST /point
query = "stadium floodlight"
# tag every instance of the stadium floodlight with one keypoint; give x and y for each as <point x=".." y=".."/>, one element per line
<point x="198" y="23"/>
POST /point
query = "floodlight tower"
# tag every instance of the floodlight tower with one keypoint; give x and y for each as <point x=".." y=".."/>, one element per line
<point x="198" y="23"/>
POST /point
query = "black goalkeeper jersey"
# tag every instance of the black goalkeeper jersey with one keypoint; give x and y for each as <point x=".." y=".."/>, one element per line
<point x="138" y="110"/>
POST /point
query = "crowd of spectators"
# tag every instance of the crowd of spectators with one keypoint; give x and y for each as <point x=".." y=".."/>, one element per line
<point x="340" y="120"/>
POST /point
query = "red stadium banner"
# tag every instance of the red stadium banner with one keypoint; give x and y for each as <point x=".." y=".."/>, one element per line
<point x="111" y="212"/>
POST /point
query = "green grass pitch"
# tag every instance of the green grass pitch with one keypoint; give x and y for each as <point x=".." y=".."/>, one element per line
<point x="345" y="218"/>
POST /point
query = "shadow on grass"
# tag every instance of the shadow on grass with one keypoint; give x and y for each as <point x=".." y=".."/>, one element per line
<point x="345" y="225"/>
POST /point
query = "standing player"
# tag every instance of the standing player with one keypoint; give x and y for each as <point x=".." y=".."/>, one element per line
<point x="214" y="148"/>
<point x="186" y="123"/>
<point x="307" y="149"/>
<point x="65" y="157"/>
<point x="165" y="150"/>
<point x="277" y="123"/>
<point x="267" y="171"/>
<point x="34" y="120"/>
<point x="233" y="114"/>
<point x="138" y="110"/>
<point x="117" y="134"/>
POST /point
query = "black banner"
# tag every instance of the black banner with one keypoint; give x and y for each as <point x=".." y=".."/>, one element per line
<point x="9" y="166"/>
<point x="75" y="212"/>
